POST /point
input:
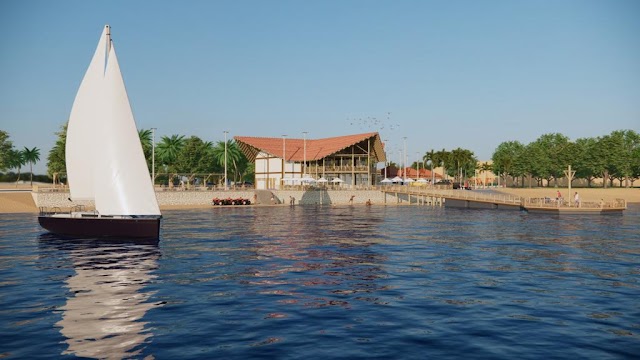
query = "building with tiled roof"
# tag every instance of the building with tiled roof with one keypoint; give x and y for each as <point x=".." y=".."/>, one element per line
<point x="280" y="161"/>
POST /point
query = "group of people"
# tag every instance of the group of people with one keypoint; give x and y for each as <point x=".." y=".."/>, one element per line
<point x="576" y="198"/>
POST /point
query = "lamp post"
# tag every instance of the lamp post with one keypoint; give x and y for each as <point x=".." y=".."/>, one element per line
<point x="225" y="159"/>
<point x="284" y="156"/>
<point x="433" y="175"/>
<point x="153" y="157"/>
<point x="417" y="165"/>
<point x="404" y="159"/>
<point x="385" y="158"/>
<point x="400" y="162"/>
<point x="304" y="152"/>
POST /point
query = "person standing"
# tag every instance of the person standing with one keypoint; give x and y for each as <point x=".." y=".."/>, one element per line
<point x="576" y="199"/>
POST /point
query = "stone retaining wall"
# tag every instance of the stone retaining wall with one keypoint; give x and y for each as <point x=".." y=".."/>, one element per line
<point x="331" y="197"/>
<point x="204" y="197"/>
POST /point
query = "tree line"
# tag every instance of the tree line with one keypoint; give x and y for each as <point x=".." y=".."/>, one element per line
<point x="12" y="158"/>
<point x="615" y="156"/>
<point x="174" y="155"/>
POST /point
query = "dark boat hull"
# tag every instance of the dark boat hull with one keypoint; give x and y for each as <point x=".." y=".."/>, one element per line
<point x="102" y="227"/>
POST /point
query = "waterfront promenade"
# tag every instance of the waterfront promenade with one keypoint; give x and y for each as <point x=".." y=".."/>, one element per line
<point x="21" y="198"/>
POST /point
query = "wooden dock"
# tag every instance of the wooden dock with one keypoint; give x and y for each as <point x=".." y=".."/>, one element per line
<point x="482" y="200"/>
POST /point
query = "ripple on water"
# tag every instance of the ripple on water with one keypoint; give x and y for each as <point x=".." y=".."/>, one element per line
<point x="329" y="282"/>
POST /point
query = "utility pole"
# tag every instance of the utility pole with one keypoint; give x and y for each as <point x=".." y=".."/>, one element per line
<point x="404" y="159"/>
<point x="569" y="174"/>
<point x="225" y="160"/>
<point x="304" y="161"/>
<point x="153" y="157"/>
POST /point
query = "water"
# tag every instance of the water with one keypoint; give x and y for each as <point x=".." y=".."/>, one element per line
<point x="328" y="282"/>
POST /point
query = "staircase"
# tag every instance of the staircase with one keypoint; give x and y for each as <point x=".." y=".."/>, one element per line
<point x="265" y="197"/>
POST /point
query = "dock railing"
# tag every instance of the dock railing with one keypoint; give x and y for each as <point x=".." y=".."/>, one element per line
<point x="547" y="202"/>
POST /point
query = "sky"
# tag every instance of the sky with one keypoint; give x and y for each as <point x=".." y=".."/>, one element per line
<point x="442" y="74"/>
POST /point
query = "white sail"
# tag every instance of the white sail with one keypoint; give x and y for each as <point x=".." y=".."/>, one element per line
<point x="81" y="139"/>
<point x="105" y="162"/>
<point x="122" y="178"/>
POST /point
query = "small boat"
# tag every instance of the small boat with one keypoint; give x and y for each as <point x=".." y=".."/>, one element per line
<point x="104" y="159"/>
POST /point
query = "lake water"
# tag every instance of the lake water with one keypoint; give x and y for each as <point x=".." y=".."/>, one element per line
<point x="340" y="282"/>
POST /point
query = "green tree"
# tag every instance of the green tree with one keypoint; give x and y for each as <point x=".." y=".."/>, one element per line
<point x="5" y="150"/>
<point x="194" y="157"/>
<point x="442" y="158"/>
<point x="505" y="158"/>
<point x="16" y="161"/>
<point x="56" y="160"/>
<point x="624" y="143"/>
<point x="236" y="161"/>
<point x="585" y="162"/>
<point x="552" y="155"/>
<point x="430" y="157"/>
<point x="31" y="156"/>
<point x="146" y="141"/>
<point x="463" y="162"/>
<point x="485" y="167"/>
<point x="168" y="150"/>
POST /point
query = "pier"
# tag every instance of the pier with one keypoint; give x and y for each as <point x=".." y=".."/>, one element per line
<point x="482" y="200"/>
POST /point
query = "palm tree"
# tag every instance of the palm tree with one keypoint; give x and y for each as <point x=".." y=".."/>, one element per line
<point x="462" y="159"/>
<point x="485" y="167"/>
<point x="169" y="148"/>
<point x="234" y="156"/>
<point x="145" y="136"/>
<point x="16" y="161"/>
<point x="441" y="158"/>
<point x="31" y="156"/>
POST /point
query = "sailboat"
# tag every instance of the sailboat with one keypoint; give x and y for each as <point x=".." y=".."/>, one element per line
<point x="104" y="159"/>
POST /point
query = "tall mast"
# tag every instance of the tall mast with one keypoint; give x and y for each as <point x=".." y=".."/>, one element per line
<point x="108" y="38"/>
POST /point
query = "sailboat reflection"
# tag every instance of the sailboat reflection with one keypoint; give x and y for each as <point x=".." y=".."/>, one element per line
<point x="102" y="317"/>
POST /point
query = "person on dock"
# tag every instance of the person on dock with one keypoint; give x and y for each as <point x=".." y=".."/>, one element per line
<point x="576" y="199"/>
<point x="351" y="199"/>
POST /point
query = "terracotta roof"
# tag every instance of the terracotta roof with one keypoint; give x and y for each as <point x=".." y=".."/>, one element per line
<point x="424" y="173"/>
<point x="316" y="148"/>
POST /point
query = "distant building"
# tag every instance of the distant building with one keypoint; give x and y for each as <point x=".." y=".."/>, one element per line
<point x="349" y="160"/>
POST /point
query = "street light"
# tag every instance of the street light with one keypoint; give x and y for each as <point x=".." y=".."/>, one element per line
<point x="284" y="155"/>
<point x="153" y="157"/>
<point x="404" y="158"/>
<point x="225" y="160"/>
<point x="304" y="161"/>
<point x="386" y="143"/>
<point x="417" y="165"/>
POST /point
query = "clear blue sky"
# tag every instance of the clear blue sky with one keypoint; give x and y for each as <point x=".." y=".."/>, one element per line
<point x="445" y="74"/>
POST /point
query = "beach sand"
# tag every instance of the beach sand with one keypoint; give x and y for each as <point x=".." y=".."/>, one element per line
<point x="17" y="202"/>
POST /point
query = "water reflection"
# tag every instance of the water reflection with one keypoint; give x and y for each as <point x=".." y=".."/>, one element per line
<point x="320" y="256"/>
<point x="102" y="317"/>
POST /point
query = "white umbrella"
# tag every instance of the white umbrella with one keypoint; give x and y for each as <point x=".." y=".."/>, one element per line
<point x="336" y="180"/>
<point x="421" y="180"/>
<point x="322" y="180"/>
<point x="308" y="179"/>
<point x="409" y="180"/>
<point x="386" y="181"/>
<point x="397" y="179"/>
